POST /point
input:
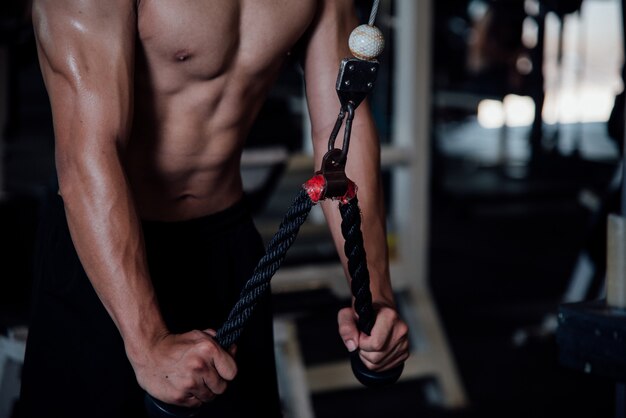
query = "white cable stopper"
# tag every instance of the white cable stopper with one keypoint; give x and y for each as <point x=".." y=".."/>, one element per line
<point x="366" y="42"/>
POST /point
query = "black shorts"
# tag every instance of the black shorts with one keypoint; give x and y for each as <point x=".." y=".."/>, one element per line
<point x="75" y="363"/>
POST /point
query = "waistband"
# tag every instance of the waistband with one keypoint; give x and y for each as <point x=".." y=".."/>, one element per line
<point x="223" y="220"/>
<point x="216" y="222"/>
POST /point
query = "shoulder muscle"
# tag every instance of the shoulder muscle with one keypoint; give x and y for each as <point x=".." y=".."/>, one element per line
<point x="78" y="37"/>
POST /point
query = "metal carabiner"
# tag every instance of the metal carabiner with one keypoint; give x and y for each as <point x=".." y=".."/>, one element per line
<point x="354" y="82"/>
<point x="348" y="110"/>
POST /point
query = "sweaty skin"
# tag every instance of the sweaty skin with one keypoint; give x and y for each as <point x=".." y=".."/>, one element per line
<point x="152" y="101"/>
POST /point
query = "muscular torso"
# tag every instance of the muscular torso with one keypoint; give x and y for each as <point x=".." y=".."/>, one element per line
<point x="202" y="71"/>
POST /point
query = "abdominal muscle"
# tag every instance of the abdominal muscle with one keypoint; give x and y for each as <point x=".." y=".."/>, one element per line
<point x="202" y="71"/>
<point x="183" y="159"/>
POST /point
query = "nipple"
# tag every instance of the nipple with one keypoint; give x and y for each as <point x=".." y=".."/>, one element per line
<point x="182" y="55"/>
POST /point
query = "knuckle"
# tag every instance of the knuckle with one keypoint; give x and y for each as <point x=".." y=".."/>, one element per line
<point x="196" y="364"/>
<point x="188" y="386"/>
<point x="378" y="343"/>
<point x="391" y="313"/>
<point x="204" y="395"/>
<point x="193" y="402"/>
<point x="374" y="358"/>
<point x="197" y="334"/>
<point x="344" y="316"/>
<point x="212" y="383"/>
<point x="207" y="348"/>
<point x="220" y="387"/>
<point x="403" y="329"/>
<point x="344" y="329"/>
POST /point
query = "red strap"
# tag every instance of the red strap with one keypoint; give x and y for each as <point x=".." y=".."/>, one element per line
<point x="316" y="188"/>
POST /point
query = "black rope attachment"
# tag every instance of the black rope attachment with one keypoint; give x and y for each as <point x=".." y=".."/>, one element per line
<point x="230" y="332"/>
<point x="357" y="264"/>
<point x="259" y="283"/>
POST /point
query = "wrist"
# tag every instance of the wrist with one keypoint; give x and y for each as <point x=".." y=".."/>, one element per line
<point x="382" y="293"/>
<point x="142" y="335"/>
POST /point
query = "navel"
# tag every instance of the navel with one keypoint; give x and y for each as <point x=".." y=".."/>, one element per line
<point x="184" y="197"/>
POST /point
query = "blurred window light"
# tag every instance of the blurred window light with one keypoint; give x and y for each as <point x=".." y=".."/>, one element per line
<point x="531" y="7"/>
<point x="588" y="103"/>
<point x="524" y="65"/>
<point x="519" y="110"/>
<point x="582" y="85"/>
<point x="491" y="113"/>
<point x="476" y="9"/>
<point x="585" y="105"/>
<point x="530" y="32"/>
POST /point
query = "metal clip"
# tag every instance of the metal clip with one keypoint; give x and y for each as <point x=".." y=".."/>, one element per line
<point x="348" y="110"/>
<point x="354" y="82"/>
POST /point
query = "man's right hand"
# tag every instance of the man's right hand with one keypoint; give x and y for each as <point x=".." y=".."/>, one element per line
<point x="185" y="369"/>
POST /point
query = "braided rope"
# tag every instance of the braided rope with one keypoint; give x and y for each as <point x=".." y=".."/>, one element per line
<point x="253" y="290"/>
<point x="258" y="284"/>
<point x="276" y="251"/>
<point x="357" y="264"/>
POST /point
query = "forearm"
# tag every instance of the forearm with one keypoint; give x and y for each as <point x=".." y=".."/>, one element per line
<point x="107" y="235"/>
<point x="363" y="167"/>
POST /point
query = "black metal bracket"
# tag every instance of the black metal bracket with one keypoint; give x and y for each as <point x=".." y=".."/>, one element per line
<point x="355" y="80"/>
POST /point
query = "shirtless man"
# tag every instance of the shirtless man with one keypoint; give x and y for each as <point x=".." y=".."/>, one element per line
<point x="152" y="101"/>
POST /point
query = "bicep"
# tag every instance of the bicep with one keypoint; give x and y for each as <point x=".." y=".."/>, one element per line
<point x="86" y="50"/>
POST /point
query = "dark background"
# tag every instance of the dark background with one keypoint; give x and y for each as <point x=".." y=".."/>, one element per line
<point x="504" y="239"/>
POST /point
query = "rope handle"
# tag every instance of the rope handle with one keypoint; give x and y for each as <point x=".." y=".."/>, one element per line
<point x="360" y="287"/>
<point x="253" y="290"/>
<point x="258" y="284"/>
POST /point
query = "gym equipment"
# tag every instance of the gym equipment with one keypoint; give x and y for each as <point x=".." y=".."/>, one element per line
<point x="355" y="80"/>
<point x="12" y="348"/>
<point x="591" y="335"/>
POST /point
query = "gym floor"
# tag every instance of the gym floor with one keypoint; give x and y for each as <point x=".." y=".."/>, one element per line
<point x="503" y="247"/>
